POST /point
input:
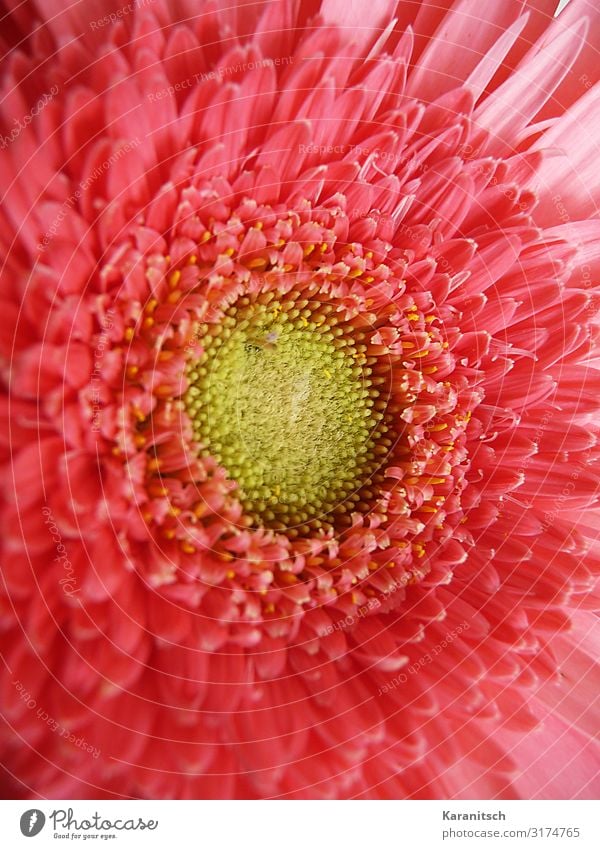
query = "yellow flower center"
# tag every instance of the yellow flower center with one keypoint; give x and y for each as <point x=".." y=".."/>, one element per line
<point x="282" y="398"/>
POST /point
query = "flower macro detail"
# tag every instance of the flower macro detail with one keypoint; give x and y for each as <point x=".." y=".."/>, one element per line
<point x="300" y="391"/>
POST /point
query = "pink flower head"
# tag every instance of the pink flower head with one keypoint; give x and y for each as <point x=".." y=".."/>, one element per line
<point x="298" y="340"/>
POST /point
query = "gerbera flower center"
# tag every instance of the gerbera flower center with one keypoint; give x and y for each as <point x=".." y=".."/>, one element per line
<point x="282" y="398"/>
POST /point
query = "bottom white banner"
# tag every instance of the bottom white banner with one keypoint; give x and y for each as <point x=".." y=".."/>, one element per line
<point x="302" y="824"/>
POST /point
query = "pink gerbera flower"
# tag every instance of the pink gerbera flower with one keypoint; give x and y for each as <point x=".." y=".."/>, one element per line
<point x="298" y="344"/>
